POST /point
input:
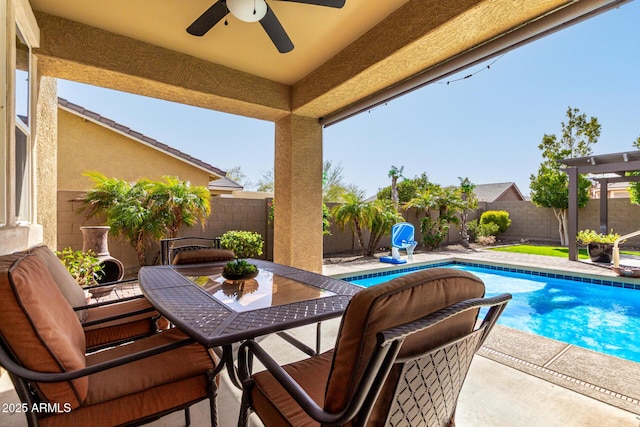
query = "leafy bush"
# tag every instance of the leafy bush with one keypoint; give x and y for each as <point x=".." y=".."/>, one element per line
<point x="585" y="237"/>
<point x="433" y="232"/>
<point x="500" y="218"/>
<point x="245" y="244"/>
<point x="84" y="267"/>
<point x="480" y="232"/>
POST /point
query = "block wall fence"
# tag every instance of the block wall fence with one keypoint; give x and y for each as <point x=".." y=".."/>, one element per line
<point x="529" y="223"/>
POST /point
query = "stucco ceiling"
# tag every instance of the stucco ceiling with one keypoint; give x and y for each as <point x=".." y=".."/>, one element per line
<point x="342" y="57"/>
<point x="318" y="33"/>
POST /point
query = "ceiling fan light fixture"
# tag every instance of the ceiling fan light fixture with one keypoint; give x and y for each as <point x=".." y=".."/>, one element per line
<point x="248" y="10"/>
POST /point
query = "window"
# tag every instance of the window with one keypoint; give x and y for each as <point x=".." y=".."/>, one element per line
<point x="3" y="118"/>
<point x="22" y="157"/>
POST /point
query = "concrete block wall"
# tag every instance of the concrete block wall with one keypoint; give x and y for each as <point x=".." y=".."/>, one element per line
<point x="528" y="223"/>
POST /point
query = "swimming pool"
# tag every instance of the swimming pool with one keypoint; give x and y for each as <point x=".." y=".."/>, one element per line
<point x="601" y="318"/>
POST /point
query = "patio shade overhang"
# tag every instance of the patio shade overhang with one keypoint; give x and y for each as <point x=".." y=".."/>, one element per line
<point x="344" y="62"/>
<point x="344" y="59"/>
<point x="613" y="168"/>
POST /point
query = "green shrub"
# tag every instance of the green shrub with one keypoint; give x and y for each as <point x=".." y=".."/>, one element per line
<point x="480" y="232"/>
<point x="245" y="244"/>
<point x="84" y="267"/>
<point x="500" y="218"/>
<point x="433" y="232"/>
<point x="585" y="237"/>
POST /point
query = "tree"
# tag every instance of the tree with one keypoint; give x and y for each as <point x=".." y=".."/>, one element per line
<point x="352" y="213"/>
<point x="634" y="187"/>
<point x="236" y="175"/>
<point x="550" y="187"/>
<point x="394" y="174"/>
<point x="266" y="183"/>
<point x="145" y="211"/>
<point x="124" y="206"/>
<point x="333" y="186"/>
<point x="380" y="216"/>
<point x="469" y="201"/>
<point x="407" y="189"/>
<point x="178" y="203"/>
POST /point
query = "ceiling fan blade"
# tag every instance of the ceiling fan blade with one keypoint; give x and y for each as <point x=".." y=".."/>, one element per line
<point x="328" y="3"/>
<point x="276" y="32"/>
<point x="208" y="19"/>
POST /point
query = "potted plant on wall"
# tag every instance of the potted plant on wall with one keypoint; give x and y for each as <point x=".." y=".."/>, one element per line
<point x="599" y="245"/>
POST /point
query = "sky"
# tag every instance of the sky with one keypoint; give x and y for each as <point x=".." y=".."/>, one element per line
<point x="486" y="127"/>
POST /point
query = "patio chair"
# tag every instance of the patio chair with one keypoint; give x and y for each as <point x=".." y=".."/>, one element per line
<point x="108" y="322"/>
<point x="199" y="247"/>
<point x="402" y="235"/>
<point x="42" y="346"/>
<point x="401" y="357"/>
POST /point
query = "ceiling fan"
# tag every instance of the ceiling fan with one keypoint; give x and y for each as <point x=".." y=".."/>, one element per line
<point x="253" y="11"/>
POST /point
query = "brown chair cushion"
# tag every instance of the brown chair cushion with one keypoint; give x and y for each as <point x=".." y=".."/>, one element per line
<point x="40" y="326"/>
<point x="120" y="329"/>
<point x="390" y="304"/>
<point x="73" y="292"/>
<point x="203" y="255"/>
<point x="142" y="388"/>
<point x="275" y="405"/>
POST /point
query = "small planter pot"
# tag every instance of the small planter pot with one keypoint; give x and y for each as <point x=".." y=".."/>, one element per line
<point x="600" y="252"/>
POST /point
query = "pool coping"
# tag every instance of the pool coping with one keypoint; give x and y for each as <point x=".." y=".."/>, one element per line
<point x="609" y="379"/>
<point x="622" y="282"/>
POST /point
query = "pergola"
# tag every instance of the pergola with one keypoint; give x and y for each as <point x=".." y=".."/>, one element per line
<point x="613" y="168"/>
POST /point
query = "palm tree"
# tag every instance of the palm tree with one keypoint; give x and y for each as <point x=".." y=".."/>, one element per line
<point x="124" y="205"/>
<point x="380" y="216"/>
<point x="394" y="174"/>
<point x="351" y="212"/>
<point x="145" y="211"/>
<point x="179" y="203"/>
<point x="469" y="202"/>
<point x="424" y="201"/>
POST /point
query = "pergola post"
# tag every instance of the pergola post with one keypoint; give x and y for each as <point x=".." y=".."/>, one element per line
<point x="573" y="212"/>
<point x="604" y="205"/>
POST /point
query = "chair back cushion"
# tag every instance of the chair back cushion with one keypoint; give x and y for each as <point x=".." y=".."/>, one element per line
<point x="39" y="326"/>
<point x="388" y="305"/>
<point x="198" y="256"/>
<point x="70" y="289"/>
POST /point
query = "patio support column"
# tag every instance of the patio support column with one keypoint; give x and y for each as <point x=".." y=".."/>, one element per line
<point x="573" y="212"/>
<point x="604" y="205"/>
<point x="298" y="193"/>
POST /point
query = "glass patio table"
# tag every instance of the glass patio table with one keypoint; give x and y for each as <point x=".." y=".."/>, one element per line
<point x="218" y="313"/>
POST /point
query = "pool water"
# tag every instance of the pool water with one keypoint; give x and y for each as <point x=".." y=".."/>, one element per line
<point x="601" y="318"/>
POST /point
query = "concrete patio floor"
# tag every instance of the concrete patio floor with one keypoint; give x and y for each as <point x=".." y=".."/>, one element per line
<point x="517" y="379"/>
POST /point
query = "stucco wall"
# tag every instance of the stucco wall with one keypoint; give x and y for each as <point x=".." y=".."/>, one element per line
<point x="84" y="145"/>
<point x="45" y="155"/>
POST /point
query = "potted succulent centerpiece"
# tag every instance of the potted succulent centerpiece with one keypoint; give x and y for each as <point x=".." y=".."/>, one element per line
<point x="239" y="270"/>
<point x="599" y="245"/>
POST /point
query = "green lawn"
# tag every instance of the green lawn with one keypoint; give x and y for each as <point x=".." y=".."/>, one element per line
<point x="558" y="251"/>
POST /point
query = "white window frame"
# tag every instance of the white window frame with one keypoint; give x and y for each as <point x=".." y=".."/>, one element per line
<point x="24" y="201"/>
<point x="3" y="114"/>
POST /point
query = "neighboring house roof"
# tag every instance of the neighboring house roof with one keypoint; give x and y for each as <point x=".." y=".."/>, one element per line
<point x="493" y="192"/>
<point x="224" y="184"/>
<point x="137" y="136"/>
